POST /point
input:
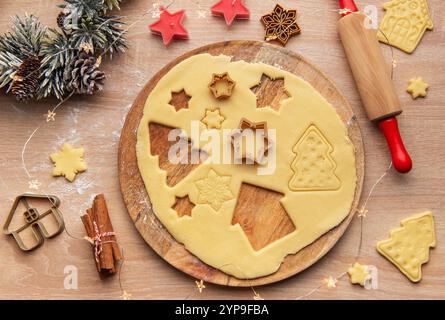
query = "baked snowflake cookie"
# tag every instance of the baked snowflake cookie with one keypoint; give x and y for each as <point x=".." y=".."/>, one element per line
<point x="224" y="147"/>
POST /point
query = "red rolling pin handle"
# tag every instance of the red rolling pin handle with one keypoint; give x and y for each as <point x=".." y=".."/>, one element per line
<point x="347" y="4"/>
<point x="400" y="157"/>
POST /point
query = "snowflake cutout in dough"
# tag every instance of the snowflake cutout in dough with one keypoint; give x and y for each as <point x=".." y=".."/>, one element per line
<point x="68" y="162"/>
<point x="359" y="274"/>
<point x="213" y="119"/>
<point x="214" y="190"/>
<point x="417" y="87"/>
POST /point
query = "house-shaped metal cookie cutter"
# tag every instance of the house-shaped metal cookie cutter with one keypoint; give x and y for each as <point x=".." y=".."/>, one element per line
<point x="33" y="220"/>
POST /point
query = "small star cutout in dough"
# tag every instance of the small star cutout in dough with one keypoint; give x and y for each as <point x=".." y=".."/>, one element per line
<point x="359" y="274"/>
<point x="68" y="162"/>
<point x="34" y="184"/>
<point x="200" y="285"/>
<point x="214" y="190"/>
<point x="221" y="85"/>
<point x="50" y="116"/>
<point x="125" y="295"/>
<point x="417" y="87"/>
<point x="330" y="282"/>
<point x="180" y="100"/>
<point x="213" y="119"/>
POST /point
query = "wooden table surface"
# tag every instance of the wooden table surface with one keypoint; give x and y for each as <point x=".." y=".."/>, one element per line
<point x="95" y="123"/>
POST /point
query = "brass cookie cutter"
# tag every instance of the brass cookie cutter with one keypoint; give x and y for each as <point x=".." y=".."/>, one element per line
<point x="33" y="220"/>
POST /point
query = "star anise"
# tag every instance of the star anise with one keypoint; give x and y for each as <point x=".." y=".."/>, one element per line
<point x="280" y="24"/>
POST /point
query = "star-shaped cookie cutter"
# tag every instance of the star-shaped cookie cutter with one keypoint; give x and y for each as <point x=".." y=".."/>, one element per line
<point x="259" y="156"/>
<point x="33" y="219"/>
<point x="227" y="88"/>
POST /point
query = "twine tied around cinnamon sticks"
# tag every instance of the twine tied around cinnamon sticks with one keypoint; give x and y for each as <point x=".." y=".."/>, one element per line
<point x="97" y="241"/>
<point x="102" y="237"/>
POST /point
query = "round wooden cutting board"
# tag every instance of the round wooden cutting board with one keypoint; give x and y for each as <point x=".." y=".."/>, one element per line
<point x="138" y="202"/>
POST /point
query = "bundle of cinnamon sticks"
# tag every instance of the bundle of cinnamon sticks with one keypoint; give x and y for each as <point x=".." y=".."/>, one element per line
<point x="102" y="236"/>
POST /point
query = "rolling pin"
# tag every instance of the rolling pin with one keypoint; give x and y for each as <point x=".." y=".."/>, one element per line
<point x="373" y="79"/>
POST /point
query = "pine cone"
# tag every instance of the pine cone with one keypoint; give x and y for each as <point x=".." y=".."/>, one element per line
<point x="61" y="20"/>
<point x="26" y="79"/>
<point x="83" y="76"/>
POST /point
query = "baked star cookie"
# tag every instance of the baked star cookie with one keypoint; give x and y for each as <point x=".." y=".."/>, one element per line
<point x="404" y="23"/>
<point x="417" y="88"/>
<point x="359" y="274"/>
<point x="409" y="246"/>
<point x="304" y="188"/>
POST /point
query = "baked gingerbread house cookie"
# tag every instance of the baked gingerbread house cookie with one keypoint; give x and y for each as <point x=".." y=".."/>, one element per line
<point x="405" y="23"/>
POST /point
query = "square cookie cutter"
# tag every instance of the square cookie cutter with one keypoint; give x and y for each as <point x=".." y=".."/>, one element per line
<point x="33" y="219"/>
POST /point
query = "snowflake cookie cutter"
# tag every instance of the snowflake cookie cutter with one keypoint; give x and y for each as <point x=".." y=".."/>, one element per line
<point x="33" y="220"/>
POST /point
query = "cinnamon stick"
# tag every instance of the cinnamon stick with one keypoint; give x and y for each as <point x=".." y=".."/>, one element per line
<point x="100" y="230"/>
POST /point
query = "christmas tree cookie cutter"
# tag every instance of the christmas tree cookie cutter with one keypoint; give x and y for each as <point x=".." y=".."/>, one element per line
<point x="33" y="220"/>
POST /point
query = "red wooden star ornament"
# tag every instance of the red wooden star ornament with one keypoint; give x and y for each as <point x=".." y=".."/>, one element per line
<point x="231" y="10"/>
<point x="170" y="26"/>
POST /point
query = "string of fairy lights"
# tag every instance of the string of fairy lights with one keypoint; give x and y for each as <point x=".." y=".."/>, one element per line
<point x="202" y="12"/>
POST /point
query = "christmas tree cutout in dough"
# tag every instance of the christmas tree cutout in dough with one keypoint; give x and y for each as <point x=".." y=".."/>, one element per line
<point x="313" y="166"/>
<point x="409" y="246"/>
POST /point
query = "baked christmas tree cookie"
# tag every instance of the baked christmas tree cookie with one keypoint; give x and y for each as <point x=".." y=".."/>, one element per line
<point x="409" y="246"/>
<point x="301" y="184"/>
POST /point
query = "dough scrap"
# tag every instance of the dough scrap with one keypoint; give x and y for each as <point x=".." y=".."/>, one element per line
<point x="404" y="23"/>
<point x="68" y="162"/>
<point x="214" y="188"/>
<point x="417" y="87"/>
<point x="408" y="246"/>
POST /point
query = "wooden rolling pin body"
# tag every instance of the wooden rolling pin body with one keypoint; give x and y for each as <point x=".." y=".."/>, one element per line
<point x="369" y="68"/>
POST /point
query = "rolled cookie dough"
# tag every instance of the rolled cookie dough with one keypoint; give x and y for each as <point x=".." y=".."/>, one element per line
<point x="304" y="123"/>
